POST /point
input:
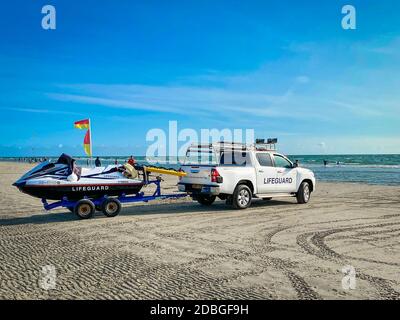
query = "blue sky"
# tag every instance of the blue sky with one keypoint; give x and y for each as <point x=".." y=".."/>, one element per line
<point x="284" y="68"/>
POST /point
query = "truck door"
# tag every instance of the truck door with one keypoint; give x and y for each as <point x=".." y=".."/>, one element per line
<point x="265" y="171"/>
<point x="285" y="175"/>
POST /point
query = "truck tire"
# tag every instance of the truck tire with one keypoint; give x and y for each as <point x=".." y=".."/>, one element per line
<point x="84" y="209"/>
<point x="206" y="200"/>
<point x="304" y="193"/>
<point x="111" y="207"/>
<point x="241" y="197"/>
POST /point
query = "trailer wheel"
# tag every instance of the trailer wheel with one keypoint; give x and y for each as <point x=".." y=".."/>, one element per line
<point x="84" y="209"/>
<point x="304" y="193"/>
<point x="111" y="207"/>
<point x="206" y="200"/>
<point x="242" y="197"/>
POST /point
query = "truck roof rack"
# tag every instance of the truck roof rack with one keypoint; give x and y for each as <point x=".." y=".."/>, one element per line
<point x="260" y="145"/>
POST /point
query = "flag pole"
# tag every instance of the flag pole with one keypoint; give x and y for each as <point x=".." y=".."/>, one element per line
<point x="91" y="143"/>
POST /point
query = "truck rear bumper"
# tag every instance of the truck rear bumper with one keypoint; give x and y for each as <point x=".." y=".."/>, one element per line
<point x="199" y="189"/>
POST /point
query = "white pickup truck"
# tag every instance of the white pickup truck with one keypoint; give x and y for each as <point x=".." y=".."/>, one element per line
<point x="238" y="172"/>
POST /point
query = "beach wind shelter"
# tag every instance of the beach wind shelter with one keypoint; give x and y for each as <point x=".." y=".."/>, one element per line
<point x="87" y="141"/>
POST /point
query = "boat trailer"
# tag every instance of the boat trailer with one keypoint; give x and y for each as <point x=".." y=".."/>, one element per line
<point x="110" y="206"/>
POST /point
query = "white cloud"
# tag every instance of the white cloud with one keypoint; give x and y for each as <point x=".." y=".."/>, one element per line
<point x="303" y="79"/>
<point x="33" y="110"/>
<point x="197" y="101"/>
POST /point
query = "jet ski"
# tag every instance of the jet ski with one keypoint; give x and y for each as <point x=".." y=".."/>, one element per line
<point x="64" y="180"/>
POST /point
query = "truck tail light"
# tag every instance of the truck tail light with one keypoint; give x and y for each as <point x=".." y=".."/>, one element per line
<point x="215" y="177"/>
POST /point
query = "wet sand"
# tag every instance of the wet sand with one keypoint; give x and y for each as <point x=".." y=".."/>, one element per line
<point x="178" y="249"/>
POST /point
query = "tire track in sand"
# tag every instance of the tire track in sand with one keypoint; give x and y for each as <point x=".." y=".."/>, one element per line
<point x="302" y="288"/>
<point x="314" y="243"/>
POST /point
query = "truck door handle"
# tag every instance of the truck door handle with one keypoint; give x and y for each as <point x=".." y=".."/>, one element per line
<point x="280" y="171"/>
<point x="261" y="171"/>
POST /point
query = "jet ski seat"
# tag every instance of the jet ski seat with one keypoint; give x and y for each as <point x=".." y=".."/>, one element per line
<point x="74" y="172"/>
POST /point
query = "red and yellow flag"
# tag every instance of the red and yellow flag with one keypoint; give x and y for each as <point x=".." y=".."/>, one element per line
<point x="85" y="124"/>
<point x="86" y="144"/>
<point x="82" y="124"/>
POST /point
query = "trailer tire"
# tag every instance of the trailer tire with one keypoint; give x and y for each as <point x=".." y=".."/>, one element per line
<point x="242" y="197"/>
<point x="304" y="193"/>
<point x="111" y="207"/>
<point x="84" y="209"/>
<point x="206" y="200"/>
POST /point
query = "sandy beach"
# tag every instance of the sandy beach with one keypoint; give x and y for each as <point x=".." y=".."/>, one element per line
<point x="181" y="250"/>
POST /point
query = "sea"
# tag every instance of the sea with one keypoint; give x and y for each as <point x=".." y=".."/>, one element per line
<point x="378" y="169"/>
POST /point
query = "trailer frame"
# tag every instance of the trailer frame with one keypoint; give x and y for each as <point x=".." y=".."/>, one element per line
<point x="123" y="198"/>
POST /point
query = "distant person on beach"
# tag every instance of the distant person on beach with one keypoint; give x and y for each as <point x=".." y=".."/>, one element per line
<point x="116" y="162"/>
<point x="97" y="162"/>
<point x="325" y="163"/>
<point x="132" y="161"/>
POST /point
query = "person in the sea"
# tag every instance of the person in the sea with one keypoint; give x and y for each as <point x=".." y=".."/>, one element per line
<point x="325" y="163"/>
<point x="97" y="162"/>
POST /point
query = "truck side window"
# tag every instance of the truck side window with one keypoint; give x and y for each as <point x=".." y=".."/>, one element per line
<point x="281" y="162"/>
<point x="264" y="159"/>
<point x="235" y="158"/>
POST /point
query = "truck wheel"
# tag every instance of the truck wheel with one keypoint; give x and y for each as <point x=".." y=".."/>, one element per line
<point x="111" y="207"/>
<point x="304" y="193"/>
<point x="84" y="209"/>
<point x="242" y="197"/>
<point x="206" y="200"/>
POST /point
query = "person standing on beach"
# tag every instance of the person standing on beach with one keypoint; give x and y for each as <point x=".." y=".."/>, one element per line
<point x="97" y="162"/>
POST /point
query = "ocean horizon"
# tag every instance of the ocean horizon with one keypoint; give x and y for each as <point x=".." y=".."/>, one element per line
<point x="379" y="169"/>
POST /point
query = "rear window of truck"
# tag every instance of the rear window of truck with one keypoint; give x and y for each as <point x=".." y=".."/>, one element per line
<point x="195" y="157"/>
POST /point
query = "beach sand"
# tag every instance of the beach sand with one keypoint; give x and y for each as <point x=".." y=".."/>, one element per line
<point x="181" y="250"/>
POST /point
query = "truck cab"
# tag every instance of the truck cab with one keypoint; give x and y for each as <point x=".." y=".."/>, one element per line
<point x="238" y="173"/>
